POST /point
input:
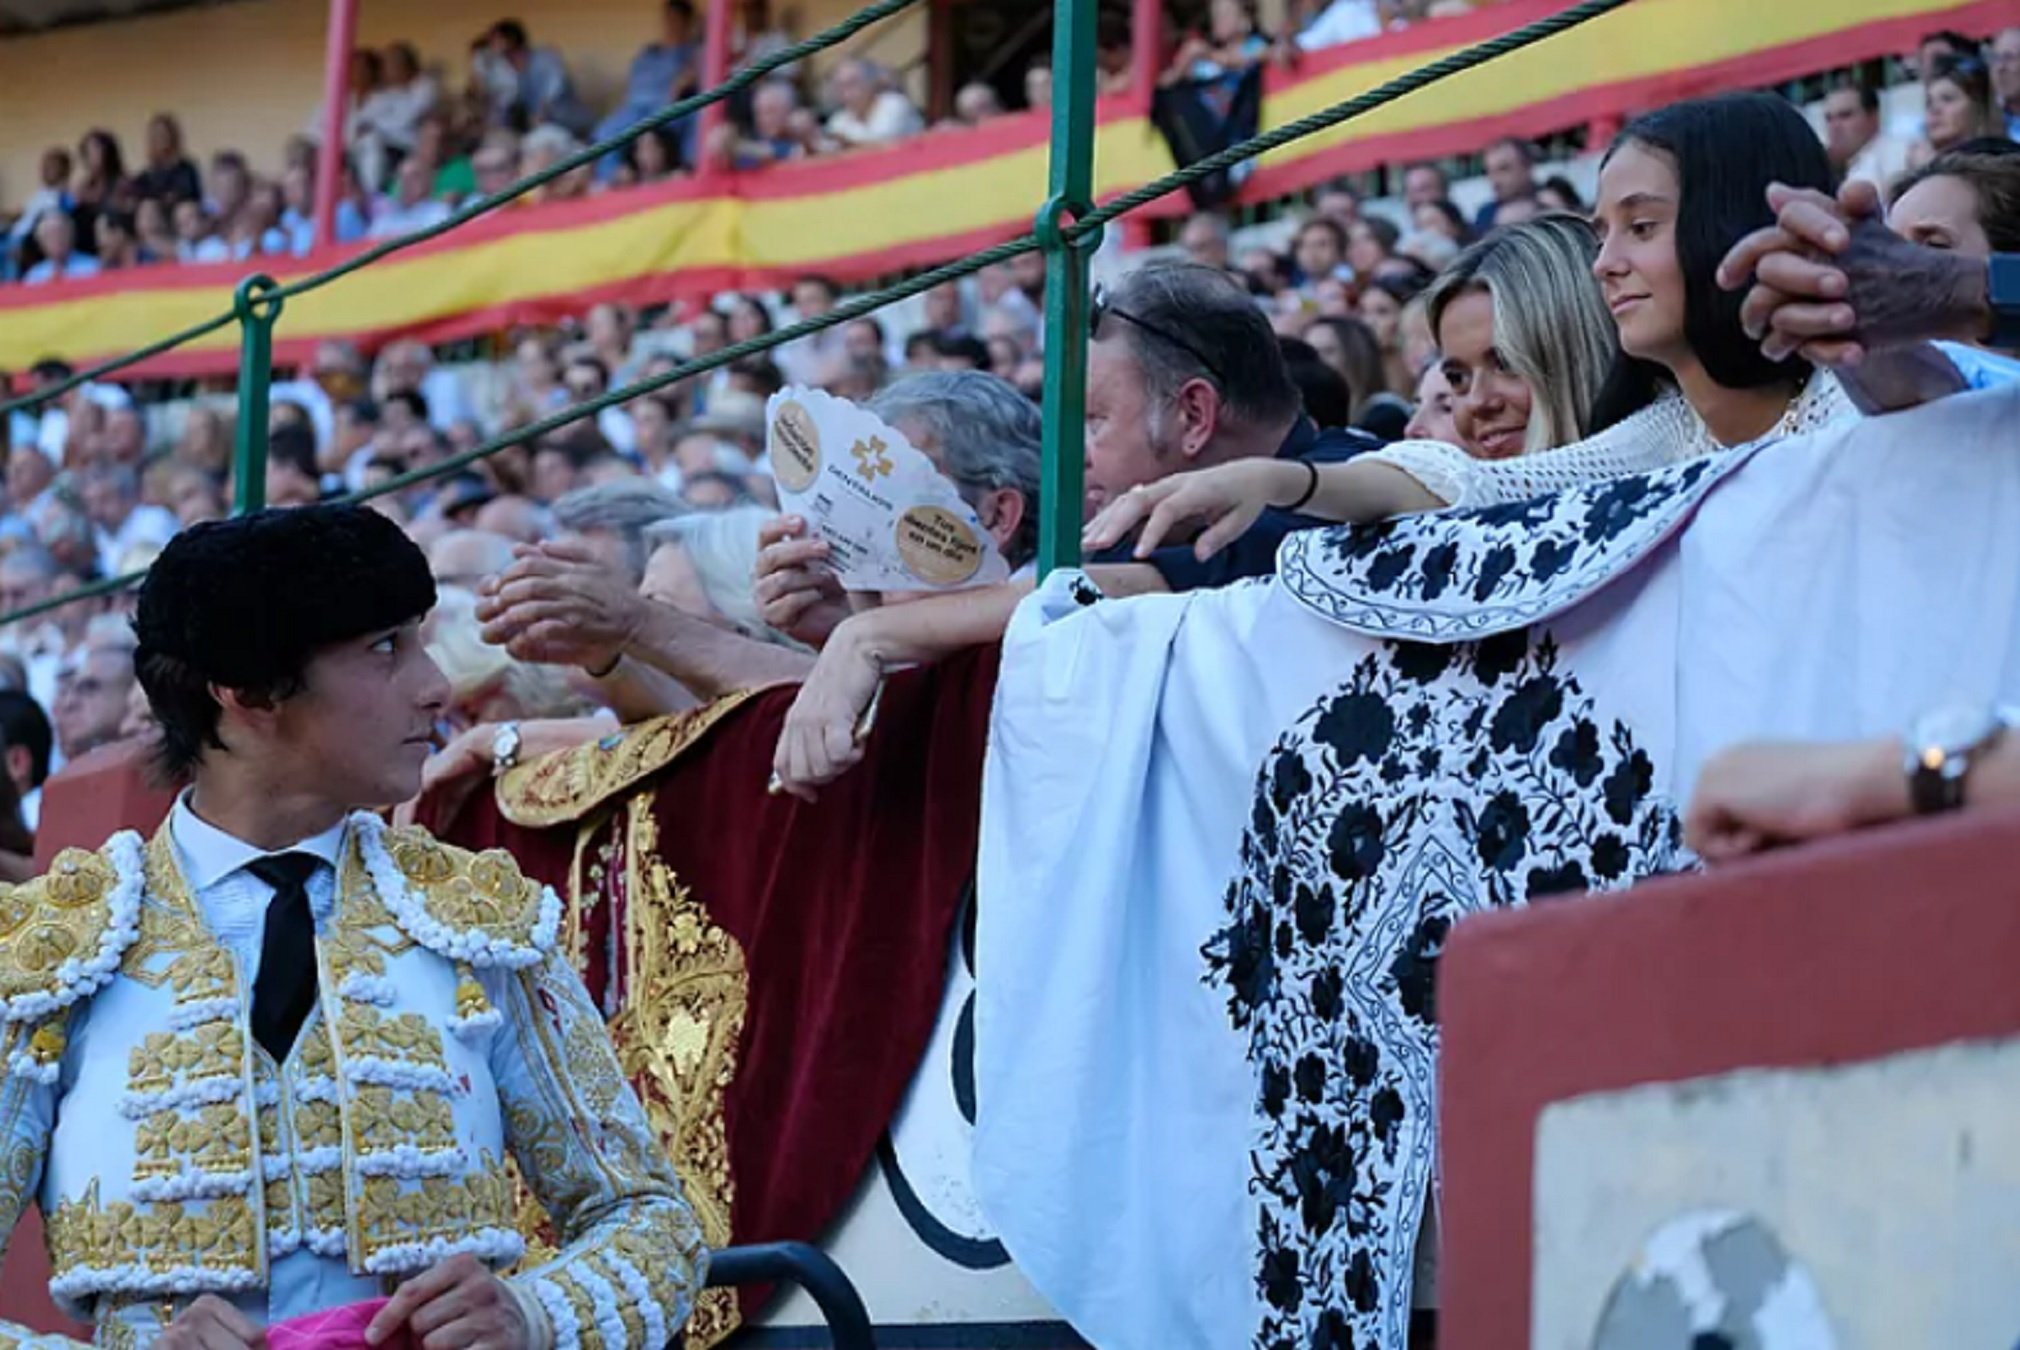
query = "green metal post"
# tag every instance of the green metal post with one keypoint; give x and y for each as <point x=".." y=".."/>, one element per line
<point x="1072" y="194"/>
<point x="256" y="318"/>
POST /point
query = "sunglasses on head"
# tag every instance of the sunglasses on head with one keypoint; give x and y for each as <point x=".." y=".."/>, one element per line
<point x="1099" y="307"/>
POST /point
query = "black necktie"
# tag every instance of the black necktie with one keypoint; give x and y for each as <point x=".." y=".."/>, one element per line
<point x="286" y="987"/>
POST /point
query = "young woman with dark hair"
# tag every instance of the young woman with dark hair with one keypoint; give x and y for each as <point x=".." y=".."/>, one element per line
<point x="1677" y="190"/>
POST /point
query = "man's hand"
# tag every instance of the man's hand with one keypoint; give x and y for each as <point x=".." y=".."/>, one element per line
<point x="558" y="606"/>
<point x="456" y="1305"/>
<point x="1831" y="282"/>
<point x="823" y="734"/>
<point x="210" y="1323"/>
<point x="795" y="594"/>
<point x="1765" y="793"/>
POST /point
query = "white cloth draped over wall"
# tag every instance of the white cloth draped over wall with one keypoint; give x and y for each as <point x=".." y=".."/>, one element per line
<point x="1224" y="833"/>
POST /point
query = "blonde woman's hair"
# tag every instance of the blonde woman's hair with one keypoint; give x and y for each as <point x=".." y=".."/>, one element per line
<point x="1550" y="320"/>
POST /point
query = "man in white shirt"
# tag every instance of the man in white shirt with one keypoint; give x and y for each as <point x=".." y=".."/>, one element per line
<point x="288" y="1075"/>
<point x="124" y="523"/>
<point x="1854" y="140"/>
<point x="57" y="234"/>
<point x="869" y="113"/>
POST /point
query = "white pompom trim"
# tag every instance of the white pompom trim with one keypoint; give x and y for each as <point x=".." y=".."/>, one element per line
<point x="312" y="1162"/>
<point x="602" y="1302"/>
<point x="395" y="1073"/>
<point x="478" y="948"/>
<point x="567" y="1329"/>
<point x="76" y="978"/>
<point x="495" y="1247"/>
<point x="24" y="1064"/>
<point x="74" y="1286"/>
<point x="639" y="1290"/>
<point x="321" y="1088"/>
<point x="407" y="1162"/>
<point x="376" y="990"/>
<point x="202" y="1012"/>
<point x="192" y="1184"/>
<point x="201" y="1092"/>
<point x="474" y="1028"/>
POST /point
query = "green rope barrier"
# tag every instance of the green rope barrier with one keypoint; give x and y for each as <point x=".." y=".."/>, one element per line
<point x="735" y="84"/>
<point x="862" y="305"/>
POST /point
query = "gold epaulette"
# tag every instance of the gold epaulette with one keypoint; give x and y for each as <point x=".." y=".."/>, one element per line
<point x="63" y="934"/>
<point x="473" y="907"/>
<point x="567" y="785"/>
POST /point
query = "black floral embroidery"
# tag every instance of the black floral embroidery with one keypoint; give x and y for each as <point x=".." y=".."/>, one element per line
<point x="1464" y="574"/>
<point x="1433" y="783"/>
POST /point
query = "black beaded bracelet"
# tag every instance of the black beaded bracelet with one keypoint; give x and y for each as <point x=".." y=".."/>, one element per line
<point x="1311" y="488"/>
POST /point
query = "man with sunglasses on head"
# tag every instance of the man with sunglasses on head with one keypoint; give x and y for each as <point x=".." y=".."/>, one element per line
<point x="1185" y="373"/>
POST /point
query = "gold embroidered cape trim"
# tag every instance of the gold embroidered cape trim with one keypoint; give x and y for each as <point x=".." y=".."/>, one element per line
<point x="63" y="935"/>
<point x="567" y="785"/>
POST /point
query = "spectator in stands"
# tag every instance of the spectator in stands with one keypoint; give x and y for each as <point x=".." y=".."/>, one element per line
<point x="1371" y="241"/>
<point x="1944" y="45"/>
<point x="584" y="377"/>
<point x="1350" y="348"/>
<point x="169" y="175"/>
<point x="867" y="110"/>
<point x="1339" y="204"/>
<point x="654" y="157"/>
<point x="610" y="522"/>
<point x="1425" y="183"/>
<point x="1320" y="252"/>
<point x="393" y="111"/>
<point x="1433" y="419"/>
<point x="92" y="691"/>
<point x="1381" y="307"/>
<point x="1441" y="217"/>
<point x="118" y="248"/>
<point x="1344" y="21"/>
<point x="538" y="89"/>
<point x="662" y="72"/>
<point x="542" y="149"/>
<point x="1322" y="392"/>
<point x="1204" y="239"/>
<point x="976" y="103"/>
<point x="230" y="187"/>
<point x="205" y="441"/>
<point x="780" y="129"/>
<point x="409" y="366"/>
<point x="56" y="235"/>
<point x="1557" y="194"/>
<point x="52" y="198"/>
<point x="257" y="229"/>
<point x="102" y="183"/>
<point x="2006" y="77"/>
<point x="196" y="238"/>
<point x="29" y="576"/>
<point x="1038" y="84"/>
<point x="1959" y="107"/>
<point x="193" y="496"/>
<point x="292" y="477"/>
<point x="1511" y="172"/>
<point x="298" y="208"/>
<point x="153" y="232"/>
<point x="122" y="522"/>
<point x="495" y="165"/>
<point x="411" y="206"/>
<point x="28" y="738"/>
<point x="1853" y="137"/>
<point x="468" y="558"/>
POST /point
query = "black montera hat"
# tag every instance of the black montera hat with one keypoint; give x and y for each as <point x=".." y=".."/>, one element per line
<point x="245" y="602"/>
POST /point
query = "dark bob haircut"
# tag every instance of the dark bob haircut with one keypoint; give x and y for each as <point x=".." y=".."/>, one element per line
<point x="1726" y="152"/>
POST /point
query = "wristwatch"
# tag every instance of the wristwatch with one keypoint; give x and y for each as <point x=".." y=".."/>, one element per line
<point x="2002" y="297"/>
<point x="1939" y="750"/>
<point x="505" y="747"/>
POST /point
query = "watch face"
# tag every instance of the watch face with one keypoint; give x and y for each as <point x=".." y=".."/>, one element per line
<point x="1954" y="730"/>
